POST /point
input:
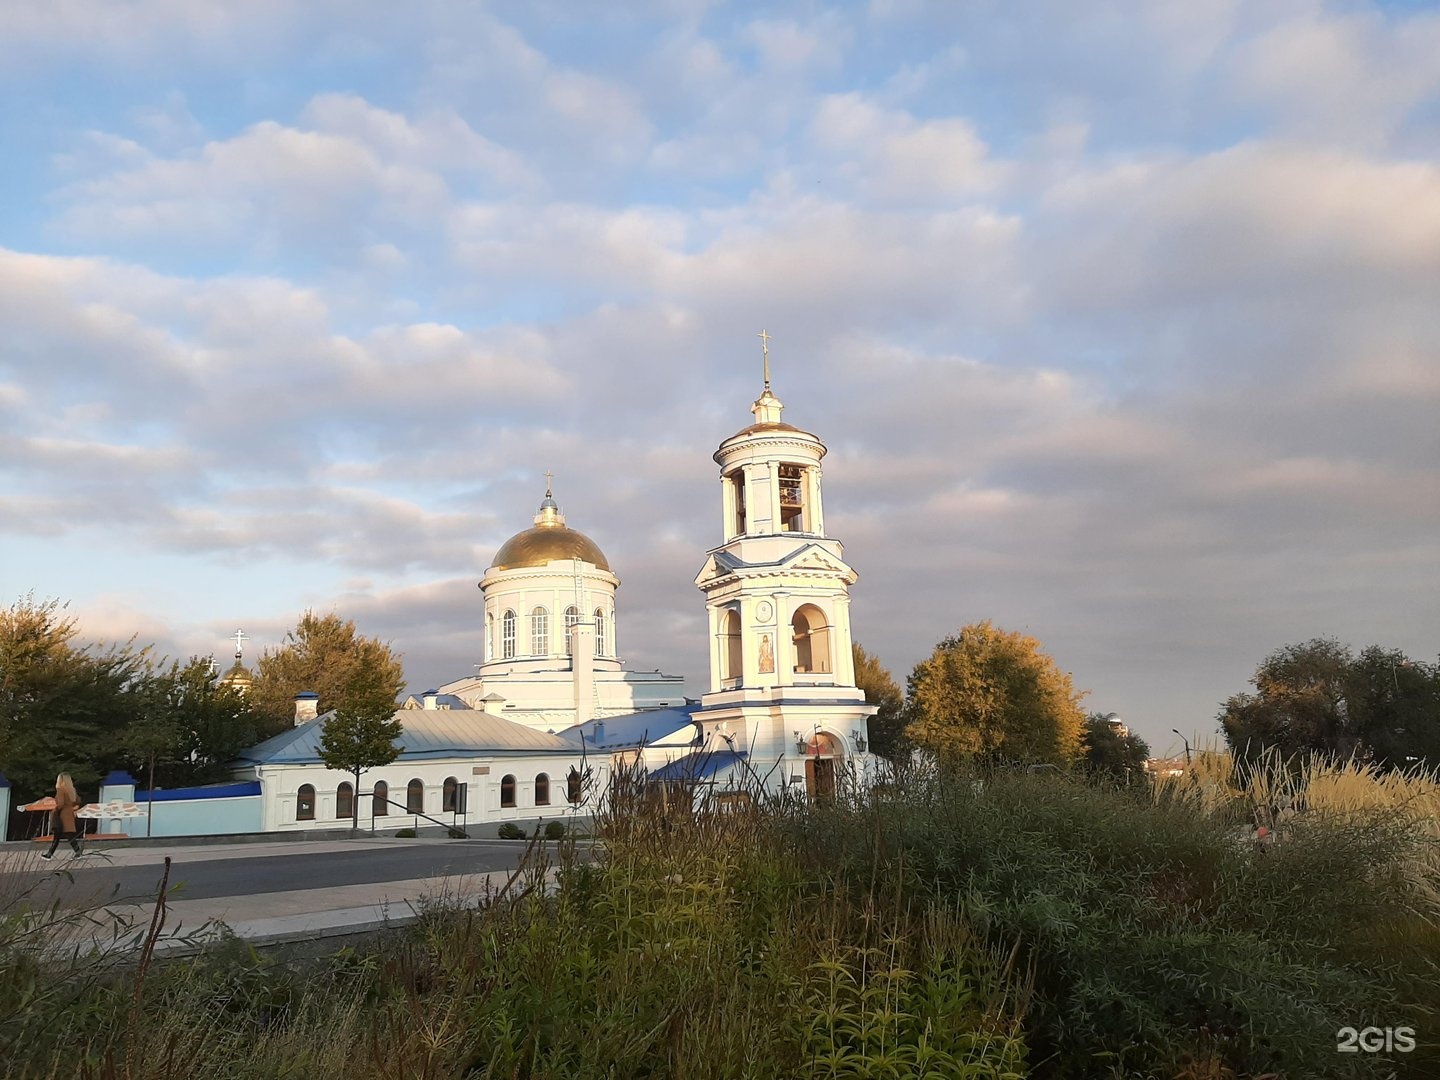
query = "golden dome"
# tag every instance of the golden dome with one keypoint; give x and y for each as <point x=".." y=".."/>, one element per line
<point x="542" y="544"/>
<point x="549" y="540"/>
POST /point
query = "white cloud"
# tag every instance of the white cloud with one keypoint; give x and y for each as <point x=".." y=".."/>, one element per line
<point x="1351" y="77"/>
<point x="889" y="154"/>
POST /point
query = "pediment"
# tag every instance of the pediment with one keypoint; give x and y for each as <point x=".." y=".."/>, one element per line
<point x="717" y="566"/>
<point x="815" y="559"/>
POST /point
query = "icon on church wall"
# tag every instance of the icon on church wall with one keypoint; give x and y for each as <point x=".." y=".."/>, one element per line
<point x="767" y="655"/>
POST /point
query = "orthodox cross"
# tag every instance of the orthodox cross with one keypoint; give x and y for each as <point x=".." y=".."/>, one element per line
<point x="549" y="478"/>
<point x="240" y="638"/>
<point x="765" y="348"/>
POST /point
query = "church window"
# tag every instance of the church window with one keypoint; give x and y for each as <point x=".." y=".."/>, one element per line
<point x="602" y="645"/>
<point x="574" y="784"/>
<point x="572" y="616"/>
<point x="345" y="800"/>
<point x="542" y="790"/>
<point x="305" y="803"/>
<point x="415" y="797"/>
<point x="507" y="791"/>
<point x="380" y="801"/>
<point x="811" y="640"/>
<point x="539" y="632"/>
<point x="792" y="498"/>
<point x="507" y="635"/>
<point x="447" y="795"/>
<point x="730" y="654"/>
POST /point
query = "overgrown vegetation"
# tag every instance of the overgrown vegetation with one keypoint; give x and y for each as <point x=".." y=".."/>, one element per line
<point x="972" y="924"/>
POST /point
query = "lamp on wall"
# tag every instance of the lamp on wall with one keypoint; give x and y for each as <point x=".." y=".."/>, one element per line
<point x="799" y="744"/>
<point x="860" y="742"/>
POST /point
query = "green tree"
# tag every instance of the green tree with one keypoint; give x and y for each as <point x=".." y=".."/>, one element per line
<point x="190" y="725"/>
<point x="362" y="732"/>
<point x="63" y="704"/>
<point x="1319" y="697"/>
<point x="1109" y="751"/>
<point x="995" y="693"/>
<point x="324" y="654"/>
<point x="887" y="726"/>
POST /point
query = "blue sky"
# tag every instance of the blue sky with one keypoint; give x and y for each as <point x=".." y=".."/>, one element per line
<point x="1119" y="318"/>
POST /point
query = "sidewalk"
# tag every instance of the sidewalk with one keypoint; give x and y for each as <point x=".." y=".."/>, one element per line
<point x="265" y="918"/>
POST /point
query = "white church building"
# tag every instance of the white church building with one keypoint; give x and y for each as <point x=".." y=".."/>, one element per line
<point x="552" y="713"/>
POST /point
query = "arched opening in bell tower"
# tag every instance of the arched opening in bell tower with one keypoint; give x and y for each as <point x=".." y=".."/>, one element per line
<point x="731" y="664"/>
<point x="792" y="499"/>
<point x="736" y="482"/>
<point x="811" y="641"/>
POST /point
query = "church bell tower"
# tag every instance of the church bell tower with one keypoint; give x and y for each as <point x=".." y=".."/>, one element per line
<point x="777" y="594"/>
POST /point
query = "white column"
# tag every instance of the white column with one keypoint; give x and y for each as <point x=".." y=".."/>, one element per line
<point x="814" y="518"/>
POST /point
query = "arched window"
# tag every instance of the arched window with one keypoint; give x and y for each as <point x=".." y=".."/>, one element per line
<point x="542" y="790"/>
<point x="601" y="644"/>
<point x="345" y="801"/>
<point x="507" y="635"/>
<point x="305" y="803"/>
<point x="730" y="665"/>
<point x="447" y="795"/>
<point x="572" y="616"/>
<point x="415" y="797"/>
<point x="539" y="632"/>
<point x="507" y="791"/>
<point x="574" y="782"/>
<point x="380" y="802"/>
<point x="812" y="641"/>
<point x="490" y="636"/>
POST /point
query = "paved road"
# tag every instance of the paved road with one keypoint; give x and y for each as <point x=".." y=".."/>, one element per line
<point x="239" y="874"/>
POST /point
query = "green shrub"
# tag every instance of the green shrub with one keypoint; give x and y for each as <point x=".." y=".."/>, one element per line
<point x="457" y="834"/>
<point x="510" y="831"/>
<point x="405" y="834"/>
<point x="1156" y="938"/>
<point x="555" y="830"/>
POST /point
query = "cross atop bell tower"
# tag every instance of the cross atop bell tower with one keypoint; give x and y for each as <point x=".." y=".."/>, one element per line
<point x="767" y="407"/>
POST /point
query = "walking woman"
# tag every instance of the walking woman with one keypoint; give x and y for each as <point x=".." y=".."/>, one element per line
<point x="66" y="803"/>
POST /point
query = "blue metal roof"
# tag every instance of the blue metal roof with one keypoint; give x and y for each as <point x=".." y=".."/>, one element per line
<point x="701" y="765"/>
<point x="427" y="734"/>
<point x="630" y="730"/>
<point x="209" y="791"/>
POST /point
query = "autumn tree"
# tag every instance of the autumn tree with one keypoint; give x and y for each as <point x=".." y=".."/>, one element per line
<point x="888" y="723"/>
<point x="362" y="732"/>
<point x="994" y="693"/>
<point x="324" y="654"/>
<point x="1111" y="751"/>
<point x="1319" y="697"/>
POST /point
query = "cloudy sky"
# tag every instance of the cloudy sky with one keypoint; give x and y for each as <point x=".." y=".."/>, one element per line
<point x="1121" y="319"/>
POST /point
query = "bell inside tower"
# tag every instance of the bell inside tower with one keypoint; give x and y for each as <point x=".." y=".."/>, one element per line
<point x="792" y="499"/>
